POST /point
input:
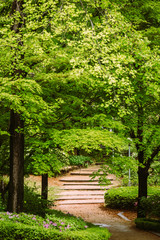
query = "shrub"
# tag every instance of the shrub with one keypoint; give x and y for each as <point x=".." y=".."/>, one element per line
<point x="148" y="224"/>
<point x="126" y="198"/>
<point x="23" y="226"/>
<point x="151" y="206"/>
<point x="121" y="198"/>
<point x="33" y="202"/>
<point x="79" y="160"/>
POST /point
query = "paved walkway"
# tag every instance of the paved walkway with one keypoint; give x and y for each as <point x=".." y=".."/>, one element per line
<point x="78" y="188"/>
<point x="83" y="198"/>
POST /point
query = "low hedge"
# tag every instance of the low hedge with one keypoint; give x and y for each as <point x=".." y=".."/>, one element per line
<point x="56" y="225"/>
<point x="126" y="198"/>
<point x="148" y="224"/>
<point x="20" y="231"/>
<point x="121" y="198"/>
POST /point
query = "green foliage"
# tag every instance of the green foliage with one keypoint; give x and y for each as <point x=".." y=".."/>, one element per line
<point x="79" y="160"/>
<point x="126" y="198"/>
<point x="23" y="226"/>
<point x="144" y="15"/>
<point x="120" y="165"/>
<point x="121" y="198"/>
<point x="46" y="159"/>
<point x="33" y="203"/>
<point x="148" y="224"/>
<point x="151" y="205"/>
<point x="102" y="174"/>
<point x="154" y="171"/>
<point x="69" y="64"/>
<point x="89" y="140"/>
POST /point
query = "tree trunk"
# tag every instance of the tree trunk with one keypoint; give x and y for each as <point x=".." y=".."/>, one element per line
<point x="44" y="193"/>
<point x="142" y="168"/>
<point x="142" y="190"/>
<point x="16" y="183"/>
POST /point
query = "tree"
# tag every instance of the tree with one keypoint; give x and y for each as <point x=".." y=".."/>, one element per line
<point x="128" y="72"/>
<point x="30" y="43"/>
<point x="78" y="65"/>
<point x="19" y="93"/>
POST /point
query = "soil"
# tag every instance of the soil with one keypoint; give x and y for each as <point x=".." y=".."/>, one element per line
<point x="120" y="229"/>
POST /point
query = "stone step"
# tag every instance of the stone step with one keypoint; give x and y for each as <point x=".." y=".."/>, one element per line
<point x="84" y="173"/>
<point x="83" y="188"/>
<point x="78" y="180"/>
<point x="89" y="170"/>
<point x="71" y="202"/>
<point x="81" y="180"/>
<point x="80" y="193"/>
<point x="81" y="183"/>
<point x="79" y="197"/>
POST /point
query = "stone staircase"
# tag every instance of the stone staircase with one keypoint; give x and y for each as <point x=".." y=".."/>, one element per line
<point x="77" y="187"/>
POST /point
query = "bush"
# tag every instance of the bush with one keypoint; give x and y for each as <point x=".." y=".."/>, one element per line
<point x="121" y="198"/>
<point x="23" y="226"/>
<point x="148" y="224"/>
<point x="79" y="160"/>
<point x="33" y="202"/>
<point x="126" y="198"/>
<point x="151" y="206"/>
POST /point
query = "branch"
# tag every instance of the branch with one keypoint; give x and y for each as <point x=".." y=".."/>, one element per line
<point x="132" y="134"/>
<point x="155" y="152"/>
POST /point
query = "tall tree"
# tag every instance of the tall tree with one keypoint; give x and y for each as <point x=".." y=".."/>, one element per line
<point x="19" y="93"/>
<point x="91" y="65"/>
<point x="127" y="73"/>
<point x="16" y="182"/>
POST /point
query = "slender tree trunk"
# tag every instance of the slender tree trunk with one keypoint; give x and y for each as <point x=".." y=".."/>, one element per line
<point x="142" y="189"/>
<point x="16" y="183"/>
<point x="142" y="168"/>
<point x="44" y="193"/>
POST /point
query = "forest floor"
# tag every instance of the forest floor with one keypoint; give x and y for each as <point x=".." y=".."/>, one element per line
<point x="121" y="227"/>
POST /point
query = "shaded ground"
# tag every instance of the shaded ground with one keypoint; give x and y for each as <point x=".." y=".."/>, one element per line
<point x="119" y="228"/>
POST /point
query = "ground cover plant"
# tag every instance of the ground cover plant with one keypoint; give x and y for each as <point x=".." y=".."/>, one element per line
<point x="55" y="225"/>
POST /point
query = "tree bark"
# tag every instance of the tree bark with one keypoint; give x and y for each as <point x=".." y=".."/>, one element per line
<point x="142" y="168"/>
<point x="16" y="183"/>
<point x="44" y="193"/>
<point x="142" y="189"/>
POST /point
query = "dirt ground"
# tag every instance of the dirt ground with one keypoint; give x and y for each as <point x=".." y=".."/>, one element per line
<point x="120" y="229"/>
